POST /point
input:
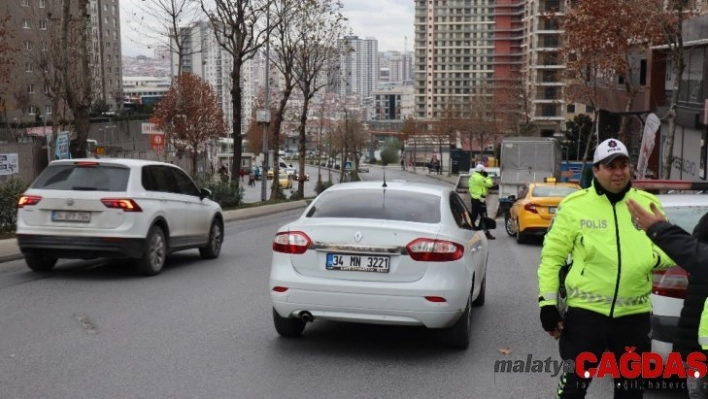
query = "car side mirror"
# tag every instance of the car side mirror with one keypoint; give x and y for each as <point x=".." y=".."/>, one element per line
<point x="205" y="193"/>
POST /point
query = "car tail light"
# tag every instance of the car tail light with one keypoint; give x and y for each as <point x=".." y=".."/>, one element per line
<point x="278" y="288"/>
<point x="125" y="204"/>
<point x="291" y="242"/>
<point x="27" y="200"/>
<point x="531" y="208"/>
<point x="86" y="163"/>
<point x="429" y="250"/>
<point x="435" y="299"/>
<point x="671" y="282"/>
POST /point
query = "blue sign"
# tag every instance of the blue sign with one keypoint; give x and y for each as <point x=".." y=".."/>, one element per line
<point x="62" y="146"/>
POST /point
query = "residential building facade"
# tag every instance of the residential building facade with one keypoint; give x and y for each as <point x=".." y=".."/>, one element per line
<point x="34" y="26"/>
<point x="358" y="67"/>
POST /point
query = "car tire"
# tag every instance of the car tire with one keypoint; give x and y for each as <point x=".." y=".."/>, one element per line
<point x="287" y="326"/>
<point x="509" y="225"/>
<point x="40" y="263"/>
<point x="458" y="336"/>
<point x="482" y="294"/>
<point x="216" y="237"/>
<point x="154" y="255"/>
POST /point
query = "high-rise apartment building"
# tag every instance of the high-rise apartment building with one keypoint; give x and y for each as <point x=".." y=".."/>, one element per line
<point x="499" y="53"/>
<point x="543" y="66"/>
<point x="34" y="26"/>
<point x="358" y="67"/>
<point x="204" y="57"/>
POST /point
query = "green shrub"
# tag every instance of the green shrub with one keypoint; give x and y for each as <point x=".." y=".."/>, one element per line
<point x="10" y="190"/>
<point x="322" y="185"/>
<point x="295" y="196"/>
<point x="224" y="193"/>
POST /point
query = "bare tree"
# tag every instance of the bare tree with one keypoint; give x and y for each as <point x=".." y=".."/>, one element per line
<point x="241" y="28"/>
<point x="77" y="86"/>
<point x="318" y="52"/>
<point x="285" y="47"/>
<point x="7" y="62"/>
<point x="168" y="22"/>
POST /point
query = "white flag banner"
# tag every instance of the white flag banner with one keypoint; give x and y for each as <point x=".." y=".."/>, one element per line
<point x="651" y="127"/>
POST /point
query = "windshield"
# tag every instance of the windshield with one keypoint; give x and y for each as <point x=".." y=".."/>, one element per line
<point x="377" y="204"/>
<point x="83" y="178"/>
<point x="553" y="191"/>
<point x="685" y="217"/>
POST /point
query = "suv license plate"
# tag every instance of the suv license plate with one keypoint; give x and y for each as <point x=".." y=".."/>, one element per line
<point x="70" y="216"/>
<point x="358" y="263"/>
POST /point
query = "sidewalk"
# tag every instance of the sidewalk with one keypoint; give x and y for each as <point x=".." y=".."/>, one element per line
<point x="9" y="250"/>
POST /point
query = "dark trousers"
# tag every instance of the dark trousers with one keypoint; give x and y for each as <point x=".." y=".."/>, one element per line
<point x="586" y="331"/>
<point x="479" y="210"/>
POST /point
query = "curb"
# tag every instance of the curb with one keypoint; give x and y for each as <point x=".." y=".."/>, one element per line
<point x="229" y="216"/>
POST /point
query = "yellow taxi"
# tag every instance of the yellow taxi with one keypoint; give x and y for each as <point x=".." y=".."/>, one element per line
<point x="284" y="181"/>
<point x="534" y="207"/>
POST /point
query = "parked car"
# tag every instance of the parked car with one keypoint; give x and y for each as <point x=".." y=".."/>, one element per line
<point x="116" y="208"/>
<point x="533" y="209"/>
<point x="401" y="254"/>
<point x="364" y="168"/>
<point x="669" y="286"/>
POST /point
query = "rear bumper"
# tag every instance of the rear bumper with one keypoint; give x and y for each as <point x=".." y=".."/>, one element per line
<point x="77" y="247"/>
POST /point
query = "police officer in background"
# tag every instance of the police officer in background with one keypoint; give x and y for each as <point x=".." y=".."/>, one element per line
<point x="479" y="184"/>
<point x="610" y="278"/>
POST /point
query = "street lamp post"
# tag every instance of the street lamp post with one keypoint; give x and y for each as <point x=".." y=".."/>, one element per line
<point x="266" y="114"/>
<point x="48" y="138"/>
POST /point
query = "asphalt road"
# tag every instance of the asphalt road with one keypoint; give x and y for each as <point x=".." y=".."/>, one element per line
<point x="203" y="329"/>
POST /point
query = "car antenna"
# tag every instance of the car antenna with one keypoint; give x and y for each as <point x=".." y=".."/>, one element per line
<point x="384" y="177"/>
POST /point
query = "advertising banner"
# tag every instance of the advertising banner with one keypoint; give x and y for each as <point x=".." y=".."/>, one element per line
<point x="651" y="127"/>
<point x="9" y="164"/>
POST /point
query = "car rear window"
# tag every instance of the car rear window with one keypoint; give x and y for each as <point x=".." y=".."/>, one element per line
<point x="381" y="203"/>
<point x="553" y="191"/>
<point x="83" y="178"/>
<point x="685" y="217"/>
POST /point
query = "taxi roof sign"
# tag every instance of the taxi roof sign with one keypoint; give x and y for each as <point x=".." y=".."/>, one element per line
<point x="549" y="180"/>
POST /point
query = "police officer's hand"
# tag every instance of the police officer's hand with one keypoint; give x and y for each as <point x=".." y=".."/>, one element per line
<point x="484" y="173"/>
<point x="551" y="320"/>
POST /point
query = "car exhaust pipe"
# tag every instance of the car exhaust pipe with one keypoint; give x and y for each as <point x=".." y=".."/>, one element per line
<point x="307" y="317"/>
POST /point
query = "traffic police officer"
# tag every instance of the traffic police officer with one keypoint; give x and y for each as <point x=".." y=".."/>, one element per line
<point x="610" y="278"/>
<point x="479" y="184"/>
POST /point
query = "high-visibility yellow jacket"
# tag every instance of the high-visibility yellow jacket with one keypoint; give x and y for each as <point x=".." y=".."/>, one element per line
<point x="612" y="258"/>
<point x="479" y="185"/>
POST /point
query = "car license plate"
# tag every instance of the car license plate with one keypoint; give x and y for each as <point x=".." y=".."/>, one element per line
<point x="358" y="263"/>
<point x="552" y="209"/>
<point x="69" y="216"/>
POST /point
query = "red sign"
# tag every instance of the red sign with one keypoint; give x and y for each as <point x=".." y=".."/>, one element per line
<point x="157" y="141"/>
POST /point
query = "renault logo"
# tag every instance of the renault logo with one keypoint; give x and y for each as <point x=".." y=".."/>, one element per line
<point x="358" y="236"/>
<point x="70" y="202"/>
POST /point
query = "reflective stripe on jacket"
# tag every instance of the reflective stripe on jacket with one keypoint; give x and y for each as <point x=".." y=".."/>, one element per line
<point x="612" y="258"/>
<point x="703" y="327"/>
<point x="479" y="185"/>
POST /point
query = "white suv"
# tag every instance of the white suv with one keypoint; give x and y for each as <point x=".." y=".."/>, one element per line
<point x="115" y="208"/>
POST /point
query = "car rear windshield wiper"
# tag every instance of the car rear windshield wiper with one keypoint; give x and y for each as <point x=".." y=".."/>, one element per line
<point x="84" y="188"/>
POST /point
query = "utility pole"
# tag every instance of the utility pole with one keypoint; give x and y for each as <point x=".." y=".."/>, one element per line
<point x="266" y="114"/>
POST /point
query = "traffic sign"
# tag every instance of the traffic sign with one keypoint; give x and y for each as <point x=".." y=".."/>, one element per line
<point x="157" y="141"/>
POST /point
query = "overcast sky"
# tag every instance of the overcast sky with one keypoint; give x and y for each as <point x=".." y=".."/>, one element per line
<point x="389" y="21"/>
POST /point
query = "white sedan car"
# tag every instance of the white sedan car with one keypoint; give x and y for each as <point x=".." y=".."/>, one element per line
<point x="669" y="286"/>
<point x="369" y="252"/>
<point x="115" y="208"/>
